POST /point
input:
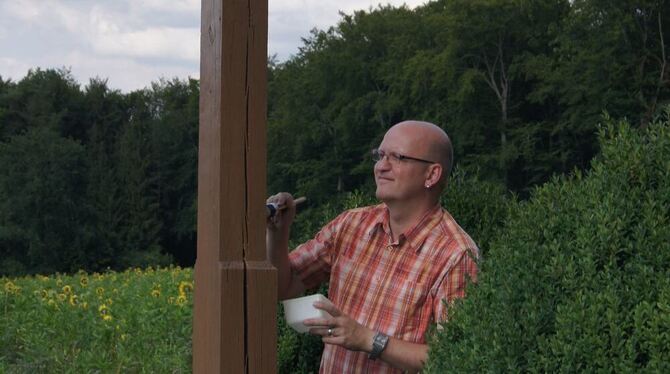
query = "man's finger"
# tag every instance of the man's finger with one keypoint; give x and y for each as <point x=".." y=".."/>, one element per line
<point x="322" y="331"/>
<point x="336" y="340"/>
<point x="328" y="307"/>
<point x="317" y="322"/>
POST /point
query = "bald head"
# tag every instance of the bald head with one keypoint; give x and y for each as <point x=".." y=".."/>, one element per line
<point x="431" y="140"/>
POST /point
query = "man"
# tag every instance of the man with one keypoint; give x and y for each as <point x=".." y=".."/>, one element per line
<point x="389" y="266"/>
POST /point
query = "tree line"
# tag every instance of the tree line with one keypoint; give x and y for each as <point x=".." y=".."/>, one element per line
<point x="93" y="178"/>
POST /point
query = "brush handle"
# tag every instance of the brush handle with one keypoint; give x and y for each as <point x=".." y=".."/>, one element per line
<point x="272" y="208"/>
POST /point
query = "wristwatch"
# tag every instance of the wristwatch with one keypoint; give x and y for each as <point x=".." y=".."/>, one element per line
<point x="379" y="343"/>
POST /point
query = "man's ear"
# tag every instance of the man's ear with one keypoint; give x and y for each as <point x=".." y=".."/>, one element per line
<point x="434" y="174"/>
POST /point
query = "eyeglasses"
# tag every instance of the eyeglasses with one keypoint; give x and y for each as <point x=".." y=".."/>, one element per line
<point x="378" y="154"/>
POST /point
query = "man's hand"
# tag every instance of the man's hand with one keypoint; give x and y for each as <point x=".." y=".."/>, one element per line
<point x="283" y="218"/>
<point x="344" y="331"/>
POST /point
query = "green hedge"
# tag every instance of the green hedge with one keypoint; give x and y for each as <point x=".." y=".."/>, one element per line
<point x="579" y="278"/>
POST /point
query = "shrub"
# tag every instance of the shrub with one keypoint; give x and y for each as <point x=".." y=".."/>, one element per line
<point x="579" y="278"/>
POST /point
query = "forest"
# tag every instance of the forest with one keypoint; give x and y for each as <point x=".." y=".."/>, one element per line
<point x="93" y="178"/>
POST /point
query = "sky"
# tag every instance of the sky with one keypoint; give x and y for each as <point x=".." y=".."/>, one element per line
<point x="132" y="43"/>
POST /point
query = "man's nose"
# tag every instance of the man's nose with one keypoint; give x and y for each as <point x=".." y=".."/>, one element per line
<point x="383" y="163"/>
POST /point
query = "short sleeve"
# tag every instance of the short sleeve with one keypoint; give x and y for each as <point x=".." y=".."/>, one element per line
<point x="454" y="282"/>
<point x="312" y="260"/>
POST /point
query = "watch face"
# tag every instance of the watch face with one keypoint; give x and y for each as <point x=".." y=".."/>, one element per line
<point x="378" y="344"/>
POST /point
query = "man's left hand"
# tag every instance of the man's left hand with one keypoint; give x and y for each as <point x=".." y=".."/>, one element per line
<point x="344" y="331"/>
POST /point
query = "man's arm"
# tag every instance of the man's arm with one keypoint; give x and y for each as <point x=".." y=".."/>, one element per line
<point x="346" y="332"/>
<point x="405" y="355"/>
<point x="276" y="240"/>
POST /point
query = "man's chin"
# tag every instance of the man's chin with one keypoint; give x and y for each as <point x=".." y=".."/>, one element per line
<point x="382" y="195"/>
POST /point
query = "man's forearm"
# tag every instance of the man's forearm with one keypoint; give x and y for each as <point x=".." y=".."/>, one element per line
<point x="405" y="355"/>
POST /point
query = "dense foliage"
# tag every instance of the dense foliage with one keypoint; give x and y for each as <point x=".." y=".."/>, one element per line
<point x="579" y="277"/>
<point x="138" y="320"/>
<point x="518" y="85"/>
<point x="93" y="178"/>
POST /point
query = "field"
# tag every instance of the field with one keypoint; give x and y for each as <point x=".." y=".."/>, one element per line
<point x="129" y="321"/>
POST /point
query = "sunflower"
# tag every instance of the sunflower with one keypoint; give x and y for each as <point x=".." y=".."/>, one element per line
<point x="104" y="312"/>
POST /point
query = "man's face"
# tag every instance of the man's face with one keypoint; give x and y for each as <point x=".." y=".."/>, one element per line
<point x="399" y="180"/>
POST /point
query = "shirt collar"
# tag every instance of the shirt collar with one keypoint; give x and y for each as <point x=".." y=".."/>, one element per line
<point x="414" y="236"/>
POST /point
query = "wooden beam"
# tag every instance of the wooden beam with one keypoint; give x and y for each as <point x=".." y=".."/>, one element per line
<point x="234" y="327"/>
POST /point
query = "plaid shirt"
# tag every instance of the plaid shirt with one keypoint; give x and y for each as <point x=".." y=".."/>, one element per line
<point x="396" y="288"/>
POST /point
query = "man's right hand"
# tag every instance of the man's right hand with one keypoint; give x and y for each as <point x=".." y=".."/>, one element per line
<point x="283" y="218"/>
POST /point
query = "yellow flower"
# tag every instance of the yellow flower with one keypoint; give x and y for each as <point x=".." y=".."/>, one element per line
<point x="104" y="312"/>
<point x="155" y="293"/>
<point x="109" y="301"/>
<point x="185" y="287"/>
<point x="84" y="305"/>
<point x="45" y="294"/>
<point x="83" y="281"/>
<point x="9" y="287"/>
<point x="62" y="297"/>
<point x="73" y="300"/>
<point x="67" y="289"/>
<point x="100" y="291"/>
<point x="181" y="300"/>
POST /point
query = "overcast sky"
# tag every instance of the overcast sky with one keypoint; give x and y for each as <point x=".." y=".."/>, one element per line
<point x="135" y="42"/>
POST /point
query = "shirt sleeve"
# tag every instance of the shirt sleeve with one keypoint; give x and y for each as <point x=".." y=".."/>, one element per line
<point x="454" y="282"/>
<point x="312" y="260"/>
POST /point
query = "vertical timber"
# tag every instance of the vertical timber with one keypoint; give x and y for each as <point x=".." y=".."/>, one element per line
<point x="261" y="275"/>
<point x="234" y="328"/>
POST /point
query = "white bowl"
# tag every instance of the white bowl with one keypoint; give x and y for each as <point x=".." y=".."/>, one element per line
<point x="299" y="309"/>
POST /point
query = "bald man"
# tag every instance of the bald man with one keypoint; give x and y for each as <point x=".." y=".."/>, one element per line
<point x="392" y="268"/>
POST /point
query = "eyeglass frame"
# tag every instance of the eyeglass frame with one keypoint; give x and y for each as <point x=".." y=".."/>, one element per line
<point x="378" y="155"/>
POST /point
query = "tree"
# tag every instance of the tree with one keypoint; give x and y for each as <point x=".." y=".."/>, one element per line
<point x="44" y="98"/>
<point x="174" y="144"/>
<point x="140" y="227"/>
<point x="107" y="114"/>
<point x="42" y="214"/>
<point x="487" y="42"/>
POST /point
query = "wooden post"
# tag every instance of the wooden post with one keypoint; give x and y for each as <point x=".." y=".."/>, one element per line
<point x="234" y="326"/>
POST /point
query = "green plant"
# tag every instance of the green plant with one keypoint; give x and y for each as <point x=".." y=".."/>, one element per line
<point x="579" y="279"/>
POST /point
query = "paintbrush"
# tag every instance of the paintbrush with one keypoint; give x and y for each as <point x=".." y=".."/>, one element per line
<point x="272" y="208"/>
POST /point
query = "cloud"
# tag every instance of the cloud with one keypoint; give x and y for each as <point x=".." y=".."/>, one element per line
<point x="24" y="10"/>
<point x="134" y="42"/>
<point x="11" y="68"/>
<point x="124" y="73"/>
<point x="165" y="42"/>
<point x="177" y="6"/>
